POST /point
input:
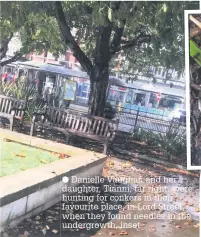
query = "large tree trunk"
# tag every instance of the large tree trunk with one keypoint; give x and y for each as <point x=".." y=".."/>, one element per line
<point x="107" y="44"/>
<point x="99" y="82"/>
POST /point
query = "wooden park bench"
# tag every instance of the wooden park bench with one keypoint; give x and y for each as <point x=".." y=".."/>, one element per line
<point x="82" y="125"/>
<point x="12" y="109"/>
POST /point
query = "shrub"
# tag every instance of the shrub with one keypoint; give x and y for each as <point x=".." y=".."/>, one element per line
<point x="171" y="143"/>
<point x="22" y="90"/>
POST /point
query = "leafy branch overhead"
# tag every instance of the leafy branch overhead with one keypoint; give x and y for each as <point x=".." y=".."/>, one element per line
<point x="154" y="30"/>
<point x="100" y="33"/>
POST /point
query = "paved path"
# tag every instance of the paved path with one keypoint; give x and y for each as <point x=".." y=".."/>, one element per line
<point x="48" y="222"/>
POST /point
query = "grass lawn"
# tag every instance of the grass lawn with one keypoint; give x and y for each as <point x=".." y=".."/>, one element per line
<point x="15" y="157"/>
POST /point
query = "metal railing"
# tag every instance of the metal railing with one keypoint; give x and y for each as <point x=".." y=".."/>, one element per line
<point x="144" y="120"/>
<point x="139" y="119"/>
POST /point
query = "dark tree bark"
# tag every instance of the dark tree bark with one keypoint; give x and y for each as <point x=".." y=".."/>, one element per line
<point x="3" y="51"/>
<point x="70" y="40"/>
<point x="99" y="76"/>
<point x="16" y="57"/>
<point x="106" y="47"/>
<point x="4" y="46"/>
<point x="45" y="55"/>
<point x="98" y="83"/>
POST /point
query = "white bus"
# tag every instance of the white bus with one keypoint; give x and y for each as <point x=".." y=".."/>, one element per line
<point x="150" y="99"/>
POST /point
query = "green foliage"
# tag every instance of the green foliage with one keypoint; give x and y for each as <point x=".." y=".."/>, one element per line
<point x="43" y="35"/>
<point x="171" y="143"/>
<point x="163" y="21"/>
<point x="36" y="30"/>
<point x="20" y="89"/>
<point x="195" y="52"/>
<point x="145" y="136"/>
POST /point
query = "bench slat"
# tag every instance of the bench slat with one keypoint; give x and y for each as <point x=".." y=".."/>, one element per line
<point x="55" y="115"/>
<point x="94" y="125"/>
<point x="3" y="106"/>
<point x="98" y="127"/>
<point x="70" y="120"/>
<point x="58" y="121"/>
<point x="83" y="121"/>
<point x="106" y="130"/>
<point x="74" y="122"/>
<point x="102" y="128"/>
<point x="66" y="121"/>
<point x="7" y="106"/>
<point x="86" y="124"/>
<point x="78" y="122"/>
<point x="62" y="119"/>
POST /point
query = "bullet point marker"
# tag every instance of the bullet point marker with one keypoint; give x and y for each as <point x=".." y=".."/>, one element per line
<point x="65" y="179"/>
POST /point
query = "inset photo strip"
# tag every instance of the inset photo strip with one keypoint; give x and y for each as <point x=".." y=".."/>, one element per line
<point x="193" y="75"/>
<point x="100" y="118"/>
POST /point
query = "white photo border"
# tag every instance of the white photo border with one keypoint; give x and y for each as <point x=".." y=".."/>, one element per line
<point x="187" y="77"/>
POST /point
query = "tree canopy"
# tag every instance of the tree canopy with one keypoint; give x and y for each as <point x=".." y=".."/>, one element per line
<point x="161" y="24"/>
<point x="142" y="33"/>
<point x="36" y="30"/>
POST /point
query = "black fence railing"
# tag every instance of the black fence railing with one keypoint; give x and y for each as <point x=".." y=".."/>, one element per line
<point x="147" y="123"/>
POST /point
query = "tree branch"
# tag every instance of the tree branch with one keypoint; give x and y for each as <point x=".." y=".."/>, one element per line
<point x="196" y="31"/>
<point x="70" y="40"/>
<point x="118" y="33"/>
<point x="16" y="57"/>
<point x="196" y="87"/>
<point x="141" y="38"/>
<point x="195" y="21"/>
<point x="4" y="46"/>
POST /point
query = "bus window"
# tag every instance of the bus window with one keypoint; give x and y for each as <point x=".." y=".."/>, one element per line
<point x="129" y="97"/>
<point x="85" y="90"/>
<point x="120" y="97"/>
<point x="153" y="103"/>
<point x="139" y="99"/>
<point x="112" y="95"/>
<point x="169" y="103"/>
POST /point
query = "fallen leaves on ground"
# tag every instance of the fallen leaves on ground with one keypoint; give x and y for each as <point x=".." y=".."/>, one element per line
<point x="197" y="209"/>
<point x="110" y="164"/>
<point x="63" y="156"/>
<point x="176" y="170"/>
<point x="197" y="225"/>
<point x="152" y="228"/>
<point x="123" y="233"/>
<point x="126" y="164"/>
<point x="178" y="226"/>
